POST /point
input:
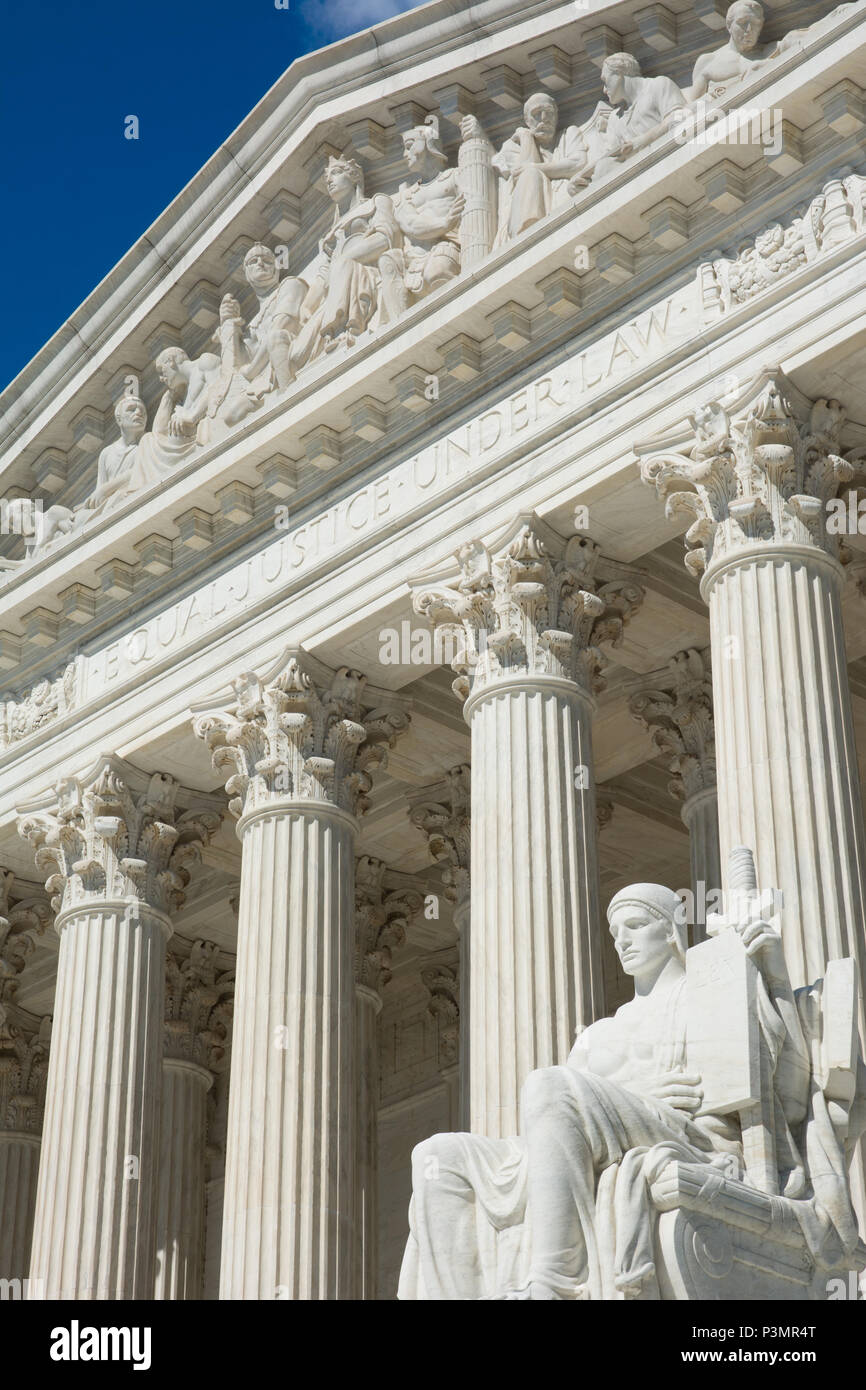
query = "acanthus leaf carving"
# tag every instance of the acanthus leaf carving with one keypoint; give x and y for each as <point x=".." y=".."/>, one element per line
<point x="117" y="833"/>
<point x="678" y="712"/>
<point x="198" y="1006"/>
<point x="763" y="472"/>
<point x="382" y="917"/>
<point x="539" y="606"/>
<point x="305" y="733"/>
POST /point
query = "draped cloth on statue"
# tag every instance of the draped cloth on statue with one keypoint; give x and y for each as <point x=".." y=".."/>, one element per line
<point x="526" y="193"/>
<point x="487" y="1249"/>
<point x="568" y="1203"/>
<point x="156" y="458"/>
<point x="601" y="1144"/>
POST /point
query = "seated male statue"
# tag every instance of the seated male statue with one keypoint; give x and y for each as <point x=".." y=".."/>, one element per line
<point x="534" y="166"/>
<point x="261" y="351"/>
<point x="652" y="104"/>
<point x="565" y="1211"/>
<point x="113" y="470"/>
<point x="348" y="296"/>
<point x="427" y="211"/>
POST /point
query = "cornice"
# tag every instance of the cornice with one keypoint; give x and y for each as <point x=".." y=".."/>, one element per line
<point x="416" y="50"/>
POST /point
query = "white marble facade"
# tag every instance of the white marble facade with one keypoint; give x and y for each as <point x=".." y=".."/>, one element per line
<point x="434" y="644"/>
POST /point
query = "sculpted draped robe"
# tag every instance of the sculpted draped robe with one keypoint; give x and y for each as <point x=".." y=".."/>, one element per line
<point x="471" y="1216"/>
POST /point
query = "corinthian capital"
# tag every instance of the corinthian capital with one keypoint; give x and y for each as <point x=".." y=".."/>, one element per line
<point x="761" y="471"/>
<point x="440" y="979"/>
<point x="302" y="732"/>
<point x="198" y="1002"/>
<point x="117" y="833"/>
<point x="21" y="924"/>
<point x="442" y="813"/>
<point x="678" y="712"/>
<point x="535" y="604"/>
<point x="382" y="916"/>
<point x="24" y="1048"/>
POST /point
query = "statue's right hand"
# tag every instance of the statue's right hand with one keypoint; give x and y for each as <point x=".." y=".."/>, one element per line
<point x="470" y="128"/>
<point x="679" y="1089"/>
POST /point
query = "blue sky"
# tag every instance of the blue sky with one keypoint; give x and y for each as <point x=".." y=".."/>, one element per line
<point x="77" y="194"/>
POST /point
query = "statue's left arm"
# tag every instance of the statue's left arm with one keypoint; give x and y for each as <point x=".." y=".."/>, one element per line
<point x="764" y="944"/>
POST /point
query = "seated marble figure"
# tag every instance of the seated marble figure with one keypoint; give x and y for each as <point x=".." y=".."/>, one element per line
<point x="565" y="1210"/>
<point x="261" y="350"/>
<point x="427" y="210"/>
<point x="347" y="294"/>
<point x="533" y="165"/>
<point x="650" y="106"/>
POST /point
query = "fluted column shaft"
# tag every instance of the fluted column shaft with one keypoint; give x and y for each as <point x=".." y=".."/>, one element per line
<point x="700" y="815"/>
<point x="181" y="1202"/>
<point x="532" y="611"/>
<point x="368" y="1006"/>
<point x="94" y="1226"/>
<point x="19" y="1170"/>
<point x="787" y="759"/>
<point x="288" y="1218"/>
<point x="300" y="743"/>
<point x="534" y="960"/>
<point x="462" y="921"/>
<point x="117" y="846"/>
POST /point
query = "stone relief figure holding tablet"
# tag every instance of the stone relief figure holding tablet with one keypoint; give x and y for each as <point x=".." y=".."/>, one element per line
<point x="629" y="1128"/>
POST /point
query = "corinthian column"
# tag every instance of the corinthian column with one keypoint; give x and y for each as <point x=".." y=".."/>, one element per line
<point x="117" y="847"/>
<point x="760" y="476"/>
<point x="299" y="745"/>
<point x="24" y="1043"/>
<point x="442" y="812"/>
<point x="531" y="613"/>
<point x="381" y="921"/>
<point x="197" y="1008"/>
<point x="678" y="712"/>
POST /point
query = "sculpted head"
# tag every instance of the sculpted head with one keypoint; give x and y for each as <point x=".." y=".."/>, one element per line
<point x="260" y="268"/>
<point x="168" y="365"/>
<point x="744" y="22"/>
<point x="131" y="415"/>
<point x="541" y="115"/>
<point x="614" y="71"/>
<point x="648" y="928"/>
<point x="422" y="143"/>
<point x="343" y="178"/>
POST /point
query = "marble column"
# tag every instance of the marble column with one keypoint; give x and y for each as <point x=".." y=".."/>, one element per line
<point x="762" y="473"/>
<point x="197" y="1006"/>
<point x="442" y="812"/>
<point x="532" y="611"/>
<point x="24" y="1046"/>
<point x="677" y="710"/>
<point x="117" y="846"/>
<point x="299" y="746"/>
<point x="381" y="922"/>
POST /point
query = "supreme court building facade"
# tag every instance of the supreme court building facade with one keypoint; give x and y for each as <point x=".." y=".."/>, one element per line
<point x="444" y="516"/>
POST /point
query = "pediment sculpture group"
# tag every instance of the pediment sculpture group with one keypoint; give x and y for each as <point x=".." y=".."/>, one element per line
<point x="383" y="253"/>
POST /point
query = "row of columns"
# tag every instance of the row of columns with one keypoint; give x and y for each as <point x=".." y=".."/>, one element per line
<point x="535" y="614"/>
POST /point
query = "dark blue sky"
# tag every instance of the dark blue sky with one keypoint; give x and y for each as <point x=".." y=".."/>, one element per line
<point x="77" y="194"/>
